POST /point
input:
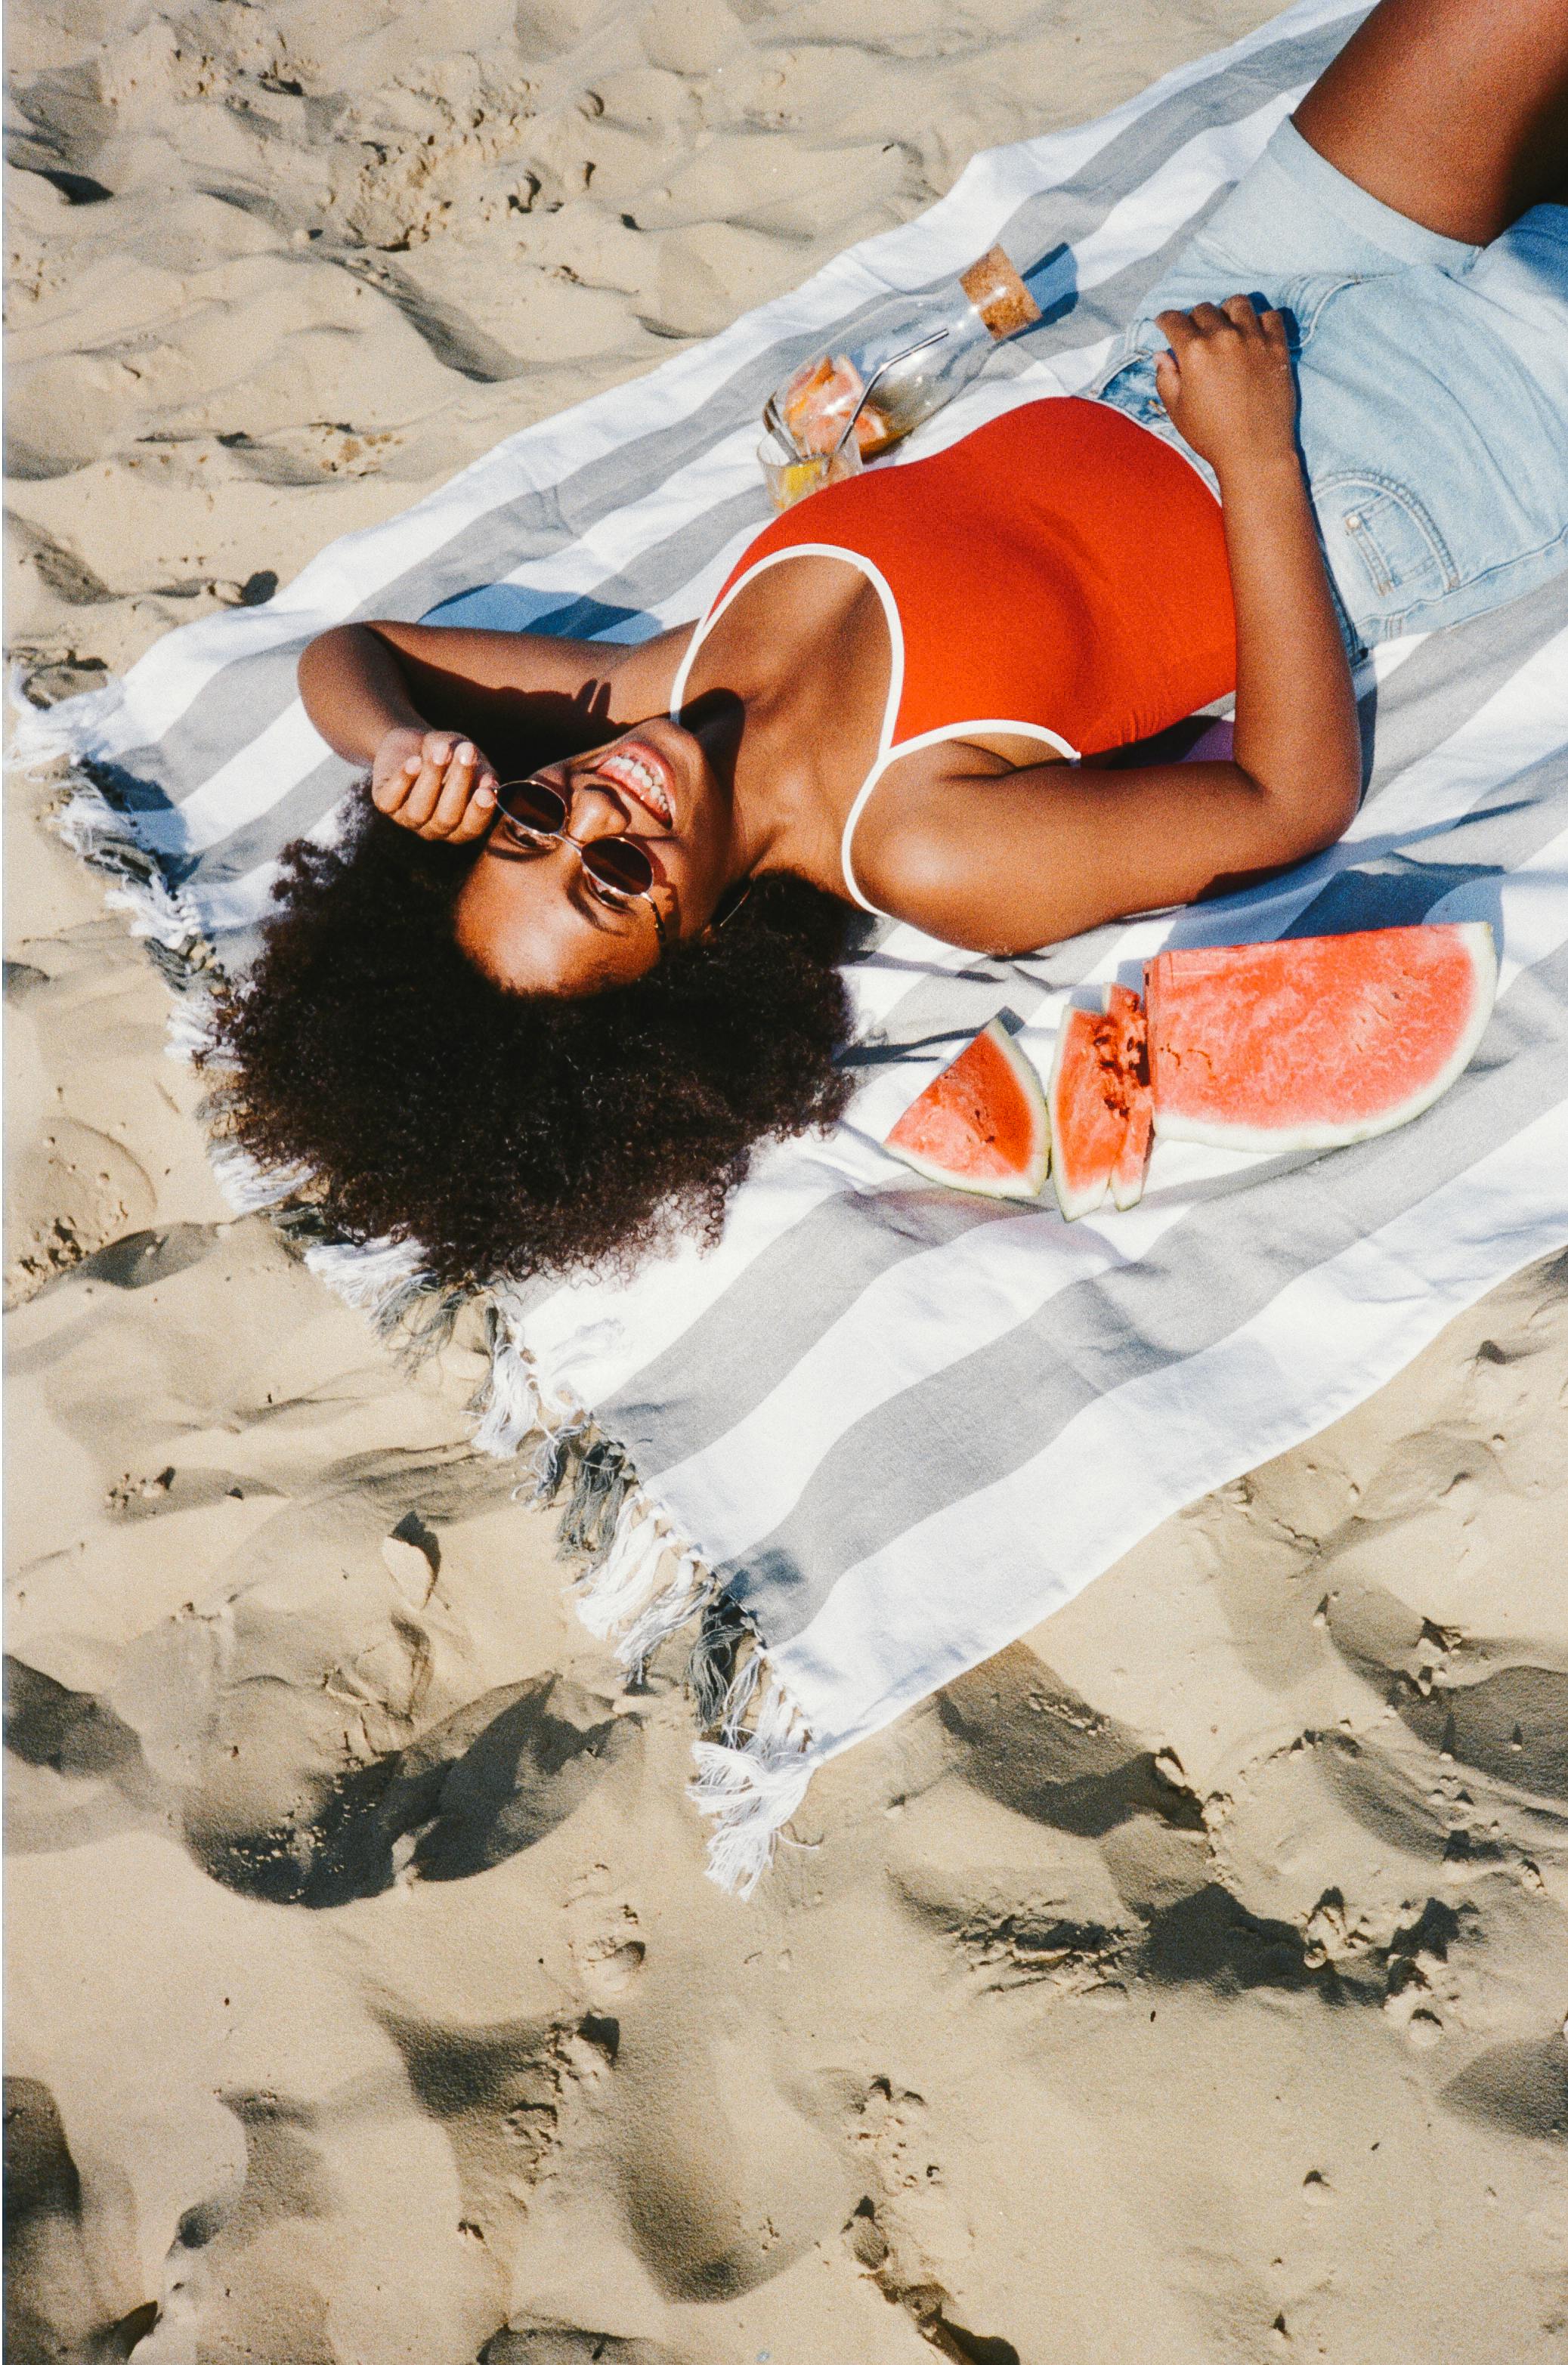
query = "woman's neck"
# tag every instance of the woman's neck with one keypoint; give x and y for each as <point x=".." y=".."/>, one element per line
<point x="787" y="695"/>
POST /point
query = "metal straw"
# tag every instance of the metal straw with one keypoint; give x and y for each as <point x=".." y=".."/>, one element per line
<point x="881" y="369"/>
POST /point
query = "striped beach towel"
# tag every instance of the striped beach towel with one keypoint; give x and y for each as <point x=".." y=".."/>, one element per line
<point x="882" y="1431"/>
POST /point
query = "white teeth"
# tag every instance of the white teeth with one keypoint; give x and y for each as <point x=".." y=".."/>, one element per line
<point x="640" y="778"/>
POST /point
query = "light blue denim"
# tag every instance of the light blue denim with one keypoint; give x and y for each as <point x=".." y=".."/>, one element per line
<point x="1433" y="379"/>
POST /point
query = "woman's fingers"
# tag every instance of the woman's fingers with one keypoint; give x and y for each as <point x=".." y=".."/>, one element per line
<point x="444" y="791"/>
<point x="457" y="788"/>
<point x="480" y="814"/>
<point x="1178" y="327"/>
<point x="424" y="794"/>
<point x="390" y="794"/>
<point x="1210" y="320"/>
<point x="424" y="797"/>
<point x="463" y="804"/>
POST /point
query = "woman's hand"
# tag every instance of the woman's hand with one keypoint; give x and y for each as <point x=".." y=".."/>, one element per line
<point x="434" y="783"/>
<point x="1227" y="384"/>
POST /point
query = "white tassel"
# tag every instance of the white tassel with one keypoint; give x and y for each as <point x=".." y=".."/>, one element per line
<point x="189" y="1029"/>
<point x="752" y="1790"/>
<point x="249" y="1185"/>
<point x="365" y="1274"/>
<point x="743" y="1684"/>
<point x="90" y="826"/>
<point x="616" y="1589"/>
<point x="152" y="908"/>
<point x="512" y="1406"/>
<point x="550" y="1460"/>
<point x="673" y="1607"/>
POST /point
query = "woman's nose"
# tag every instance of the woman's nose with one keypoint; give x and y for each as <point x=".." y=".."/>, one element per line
<point x="597" y="811"/>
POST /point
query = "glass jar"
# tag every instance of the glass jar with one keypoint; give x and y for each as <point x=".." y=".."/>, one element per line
<point x="919" y="353"/>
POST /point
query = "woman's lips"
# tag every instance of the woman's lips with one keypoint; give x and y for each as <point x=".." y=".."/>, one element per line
<point x="643" y="772"/>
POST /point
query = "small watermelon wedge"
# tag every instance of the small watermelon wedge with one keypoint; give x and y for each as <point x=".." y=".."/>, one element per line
<point x="1314" y="1041"/>
<point x="982" y="1124"/>
<point x="1124" y="1010"/>
<point x="1100" y="1109"/>
<point x="1088" y="1111"/>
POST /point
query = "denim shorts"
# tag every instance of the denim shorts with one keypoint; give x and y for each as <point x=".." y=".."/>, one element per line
<point x="1433" y="379"/>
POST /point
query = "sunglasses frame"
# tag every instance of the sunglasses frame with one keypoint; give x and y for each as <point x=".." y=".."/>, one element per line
<point x="607" y="892"/>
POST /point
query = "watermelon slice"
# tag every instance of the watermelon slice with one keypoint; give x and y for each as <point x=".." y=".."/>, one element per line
<point x="1124" y="1010"/>
<point x="1316" y="1041"/>
<point x="980" y="1125"/>
<point x="1100" y="1105"/>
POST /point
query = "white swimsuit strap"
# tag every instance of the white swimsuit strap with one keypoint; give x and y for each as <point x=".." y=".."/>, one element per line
<point x="889" y="756"/>
<point x="883" y="590"/>
<point x="886" y="751"/>
<point x="862" y="799"/>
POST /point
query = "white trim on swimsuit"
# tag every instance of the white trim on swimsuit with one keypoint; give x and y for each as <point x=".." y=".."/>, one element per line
<point x="887" y="753"/>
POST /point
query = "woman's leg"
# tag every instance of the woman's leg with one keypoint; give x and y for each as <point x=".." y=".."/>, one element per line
<point x="1453" y="112"/>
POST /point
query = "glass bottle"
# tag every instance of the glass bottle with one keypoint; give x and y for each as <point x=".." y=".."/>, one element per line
<point x="912" y="360"/>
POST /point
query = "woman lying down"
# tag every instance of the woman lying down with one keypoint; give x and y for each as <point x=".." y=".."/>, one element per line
<point x="578" y="954"/>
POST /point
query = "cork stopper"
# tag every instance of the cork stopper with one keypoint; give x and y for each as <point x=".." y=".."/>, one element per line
<point x="999" y="295"/>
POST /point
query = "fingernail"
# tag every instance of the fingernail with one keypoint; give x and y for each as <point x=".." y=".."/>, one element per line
<point x="466" y="753"/>
<point x="485" y="797"/>
<point x="414" y="763"/>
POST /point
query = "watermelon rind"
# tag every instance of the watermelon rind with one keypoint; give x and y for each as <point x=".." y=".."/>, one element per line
<point x="1127" y="1189"/>
<point x="1030" y="1181"/>
<point x="1073" y="1204"/>
<point x="1280" y="1141"/>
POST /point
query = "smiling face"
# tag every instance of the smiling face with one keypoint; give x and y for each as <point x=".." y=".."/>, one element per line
<point x="528" y="915"/>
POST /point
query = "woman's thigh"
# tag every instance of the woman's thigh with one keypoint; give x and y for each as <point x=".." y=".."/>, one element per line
<point x="1293" y="216"/>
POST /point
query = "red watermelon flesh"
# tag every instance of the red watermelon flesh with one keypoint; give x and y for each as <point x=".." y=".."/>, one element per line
<point x="1125" y="1011"/>
<point x="980" y="1125"/>
<point x="1089" y="1097"/>
<point x="1316" y="1041"/>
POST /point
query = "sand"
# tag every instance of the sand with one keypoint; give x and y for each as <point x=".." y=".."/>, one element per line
<point x="1183" y="1988"/>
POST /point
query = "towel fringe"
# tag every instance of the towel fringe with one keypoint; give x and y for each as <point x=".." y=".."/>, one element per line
<point x="188" y="1030"/>
<point x="246" y="1183"/>
<point x="510" y="1406"/>
<point x="642" y="1583"/>
<point x="611" y="1591"/>
<point x="388" y="1281"/>
<point x="368" y="1275"/>
<point x="678" y="1603"/>
<point x="750" y="1788"/>
<point x="105" y="838"/>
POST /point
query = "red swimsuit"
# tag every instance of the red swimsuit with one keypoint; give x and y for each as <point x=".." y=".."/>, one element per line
<point x="1060" y="574"/>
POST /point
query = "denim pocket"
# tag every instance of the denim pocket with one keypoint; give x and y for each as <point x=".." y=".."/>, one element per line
<point x="1304" y="302"/>
<point x="1392" y="538"/>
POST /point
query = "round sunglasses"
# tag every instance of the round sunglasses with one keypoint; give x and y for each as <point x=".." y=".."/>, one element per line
<point x="617" y="871"/>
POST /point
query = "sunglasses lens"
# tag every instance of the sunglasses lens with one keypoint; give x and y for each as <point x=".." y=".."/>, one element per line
<point x="617" y="864"/>
<point x="534" y="805"/>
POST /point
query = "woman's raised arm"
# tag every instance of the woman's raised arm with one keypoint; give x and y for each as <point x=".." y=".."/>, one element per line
<point x="1019" y="859"/>
<point x="438" y="712"/>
